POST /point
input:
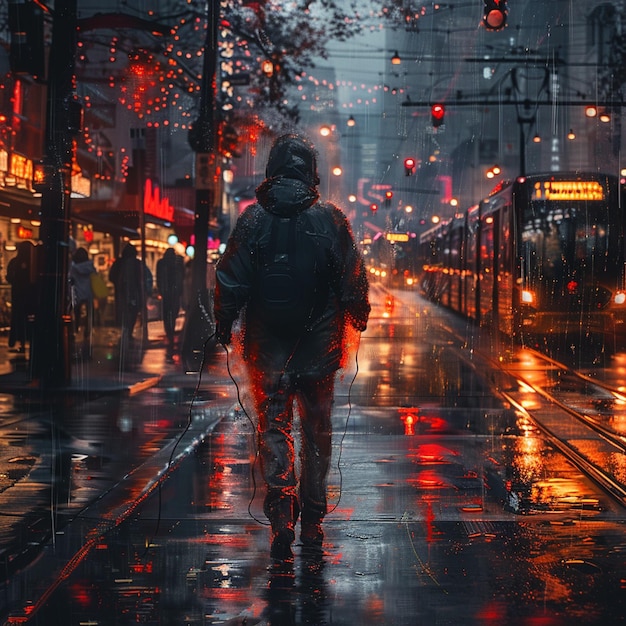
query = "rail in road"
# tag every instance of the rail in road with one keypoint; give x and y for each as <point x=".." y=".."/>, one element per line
<point x="584" y="418"/>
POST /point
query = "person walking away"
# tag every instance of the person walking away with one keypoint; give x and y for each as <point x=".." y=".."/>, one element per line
<point x="126" y="274"/>
<point x="23" y="296"/>
<point x="292" y="268"/>
<point x="81" y="269"/>
<point x="170" y="276"/>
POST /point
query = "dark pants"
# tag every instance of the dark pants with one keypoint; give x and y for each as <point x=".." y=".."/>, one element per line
<point x="83" y="317"/>
<point x="170" y="314"/>
<point x="274" y="396"/>
<point x="127" y="318"/>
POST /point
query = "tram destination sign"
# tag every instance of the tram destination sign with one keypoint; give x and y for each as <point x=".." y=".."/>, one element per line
<point x="558" y="190"/>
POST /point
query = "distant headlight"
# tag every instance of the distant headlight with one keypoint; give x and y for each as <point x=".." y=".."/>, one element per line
<point x="619" y="298"/>
<point x="528" y="297"/>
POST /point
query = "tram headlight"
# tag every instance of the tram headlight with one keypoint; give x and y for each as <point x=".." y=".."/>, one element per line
<point x="619" y="297"/>
<point x="528" y="297"/>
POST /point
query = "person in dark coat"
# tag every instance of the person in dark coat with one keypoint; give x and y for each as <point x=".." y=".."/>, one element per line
<point x="170" y="276"/>
<point x="23" y="296"/>
<point x="126" y="274"/>
<point x="287" y="365"/>
<point x="81" y="269"/>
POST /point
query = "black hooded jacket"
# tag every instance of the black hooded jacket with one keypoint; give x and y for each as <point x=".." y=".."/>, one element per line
<point x="290" y="190"/>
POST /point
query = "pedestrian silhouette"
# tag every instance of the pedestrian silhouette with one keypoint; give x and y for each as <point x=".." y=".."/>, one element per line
<point x="133" y="282"/>
<point x="20" y="275"/>
<point x="81" y="269"/>
<point x="292" y="267"/>
<point x="170" y="276"/>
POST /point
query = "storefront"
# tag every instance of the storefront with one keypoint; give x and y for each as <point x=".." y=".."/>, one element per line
<point x="19" y="218"/>
<point x="96" y="225"/>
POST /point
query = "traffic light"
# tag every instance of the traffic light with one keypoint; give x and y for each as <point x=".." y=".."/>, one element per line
<point x="229" y="142"/>
<point x="373" y="207"/>
<point x="437" y="114"/>
<point x="388" y="196"/>
<point x="494" y="15"/>
<point x="409" y="166"/>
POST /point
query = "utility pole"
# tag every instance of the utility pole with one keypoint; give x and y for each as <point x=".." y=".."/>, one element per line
<point x="50" y="350"/>
<point x="203" y="139"/>
<point x="138" y="140"/>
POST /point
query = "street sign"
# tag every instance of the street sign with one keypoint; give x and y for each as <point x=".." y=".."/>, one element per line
<point x="400" y="237"/>
<point x="238" y="80"/>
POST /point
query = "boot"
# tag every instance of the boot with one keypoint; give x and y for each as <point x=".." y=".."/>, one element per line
<point x="312" y="536"/>
<point x="280" y="551"/>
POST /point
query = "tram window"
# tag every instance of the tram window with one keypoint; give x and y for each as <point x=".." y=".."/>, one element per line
<point x="567" y="238"/>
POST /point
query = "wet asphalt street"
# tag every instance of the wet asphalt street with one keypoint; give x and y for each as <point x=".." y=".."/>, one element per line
<point x="155" y="517"/>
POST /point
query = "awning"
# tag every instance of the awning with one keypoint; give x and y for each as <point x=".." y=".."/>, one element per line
<point x="18" y="203"/>
<point x="104" y="219"/>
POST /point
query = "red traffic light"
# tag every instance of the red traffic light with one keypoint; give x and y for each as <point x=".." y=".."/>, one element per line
<point x="409" y="166"/>
<point x="388" y="195"/>
<point x="437" y="113"/>
<point x="494" y="15"/>
<point x="373" y="207"/>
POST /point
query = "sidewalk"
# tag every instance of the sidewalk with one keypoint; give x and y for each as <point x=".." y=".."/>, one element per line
<point x="103" y="373"/>
<point x="52" y="438"/>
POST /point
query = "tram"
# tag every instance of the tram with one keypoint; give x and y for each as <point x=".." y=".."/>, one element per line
<point x="542" y="255"/>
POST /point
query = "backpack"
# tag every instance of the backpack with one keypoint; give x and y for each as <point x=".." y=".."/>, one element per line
<point x="99" y="288"/>
<point x="289" y="291"/>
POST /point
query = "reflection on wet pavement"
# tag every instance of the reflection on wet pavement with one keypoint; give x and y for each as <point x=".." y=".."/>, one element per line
<point x="448" y="506"/>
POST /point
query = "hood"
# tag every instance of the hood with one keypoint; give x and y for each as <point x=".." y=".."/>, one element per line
<point x="293" y="157"/>
<point x="129" y="251"/>
<point x="290" y="186"/>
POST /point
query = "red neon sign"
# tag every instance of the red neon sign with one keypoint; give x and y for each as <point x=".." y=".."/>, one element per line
<point x="156" y="206"/>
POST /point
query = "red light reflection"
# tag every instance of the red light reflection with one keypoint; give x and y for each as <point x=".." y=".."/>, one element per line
<point x="418" y="423"/>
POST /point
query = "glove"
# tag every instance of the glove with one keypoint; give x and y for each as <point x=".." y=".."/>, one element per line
<point x="223" y="332"/>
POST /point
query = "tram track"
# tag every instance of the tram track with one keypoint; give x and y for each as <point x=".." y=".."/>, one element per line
<point x="612" y="394"/>
<point x="594" y="448"/>
<point x="550" y="394"/>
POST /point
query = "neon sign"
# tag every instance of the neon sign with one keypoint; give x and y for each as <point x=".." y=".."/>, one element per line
<point x="156" y="206"/>
<point x="15" y="170"/>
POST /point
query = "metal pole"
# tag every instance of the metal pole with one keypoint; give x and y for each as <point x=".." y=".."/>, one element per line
<point x="50" y="349"/>
<point x="522" y="148"/>
<point x="138" y="136"/>
<point x="203" y="140"/>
